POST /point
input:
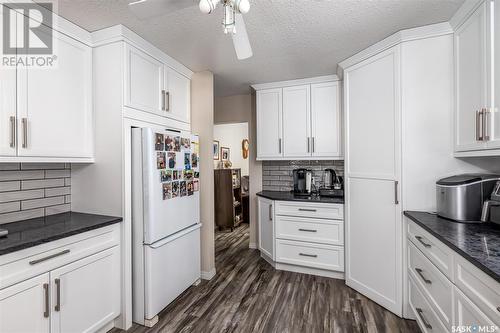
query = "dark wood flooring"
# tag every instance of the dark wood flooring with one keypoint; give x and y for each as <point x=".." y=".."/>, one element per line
<point x="248" y="295"/>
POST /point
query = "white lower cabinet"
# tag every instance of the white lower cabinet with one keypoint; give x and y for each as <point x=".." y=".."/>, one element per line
<point x="77" y="291"/>
<point x="457" y="298"/>
<point x="302" y="236"/>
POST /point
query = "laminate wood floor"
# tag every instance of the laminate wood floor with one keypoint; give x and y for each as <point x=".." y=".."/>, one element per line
<point x="249" y="295"/>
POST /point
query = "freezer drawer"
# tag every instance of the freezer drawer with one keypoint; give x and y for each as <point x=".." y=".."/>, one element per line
<point x="171" y="266"/>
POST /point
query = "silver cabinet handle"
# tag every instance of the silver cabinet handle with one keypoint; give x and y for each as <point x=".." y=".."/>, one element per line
<point x="421" y="273"/>
<point x="167" y="102"/>
<point x="308" y="255"/>
<point x="12" y="132"/>
<point x="163" y="100"/>
<point x="308" y="144"/>
<point x="486" y="135"/>
<point x="478" y="126"/>
<point x="46" y="292"/>
<point x="307" y="210"/>
<point x="57" y="307"/>
<point x="313" y="144"/>
<point x="279" y="145"/>
<point x="421" y="315"/>
<point x="52" y="256"/>
<point x="24" y="122"/>
<point x="270" y="212"/>
<point x="421" y="240"/>
<point x="308" y="230"/>
<point x="396" y="196"/>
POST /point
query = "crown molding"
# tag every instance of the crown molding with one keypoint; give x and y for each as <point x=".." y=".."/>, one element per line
<point x="298" y="82"/>
<point x="464" y="12"/>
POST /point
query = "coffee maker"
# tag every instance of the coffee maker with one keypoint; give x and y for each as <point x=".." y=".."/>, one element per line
<point x="302" y="182"/>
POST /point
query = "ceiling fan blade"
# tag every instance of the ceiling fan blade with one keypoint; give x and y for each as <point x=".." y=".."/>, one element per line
<point x="145" y="9"/>
<point x="240" y="39"/>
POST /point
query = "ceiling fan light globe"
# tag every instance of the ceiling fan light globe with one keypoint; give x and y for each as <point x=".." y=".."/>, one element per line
<point x="208" y="6"/>
<point x="242" y="6"/>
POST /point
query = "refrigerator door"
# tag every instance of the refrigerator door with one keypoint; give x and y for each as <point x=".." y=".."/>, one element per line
<point x="171" y="266"/>
<point x="169" y="205"/>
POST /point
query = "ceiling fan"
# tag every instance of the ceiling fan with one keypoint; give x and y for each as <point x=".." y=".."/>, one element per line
<point x="232" y="22"/>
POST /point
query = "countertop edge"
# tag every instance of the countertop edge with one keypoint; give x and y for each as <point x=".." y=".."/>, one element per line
<point x="340" y="201"/>
<point x="60" y="236"/>
<point x="452" y="246"/>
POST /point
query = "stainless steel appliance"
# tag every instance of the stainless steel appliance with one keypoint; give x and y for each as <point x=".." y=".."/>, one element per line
<point x="329" y="178"/>
<point x="302" y="181"/>
<point x="461" y="197"/>
<point x="332" y="184"/>
<point x="491" y="207"/>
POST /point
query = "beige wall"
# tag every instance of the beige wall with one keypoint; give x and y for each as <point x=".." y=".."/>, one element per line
<point x="235" y="109"/>
<point x="231" y="136"/>
<point x="202" y="119"/>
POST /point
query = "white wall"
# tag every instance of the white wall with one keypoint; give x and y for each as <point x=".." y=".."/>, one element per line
<point x="231" y="136"/>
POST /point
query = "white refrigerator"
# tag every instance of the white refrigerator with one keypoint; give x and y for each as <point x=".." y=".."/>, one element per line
<point x="165" y="219"/>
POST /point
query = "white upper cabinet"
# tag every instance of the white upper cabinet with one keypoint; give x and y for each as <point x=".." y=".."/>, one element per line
<point x="326" y="128"/>
<point x="269" y="118"/>
<point x="152" y="86"/>
<point x="144" y="82"/>
<point x="296" y="121"/>
<point x="299" y="119"/>
<point x="178" y="97"/>
<point x="477" y="120"/>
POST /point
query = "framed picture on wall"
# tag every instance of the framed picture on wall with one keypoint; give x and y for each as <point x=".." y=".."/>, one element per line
<point x="216" y="150"/>
<point x="225" y="153"/>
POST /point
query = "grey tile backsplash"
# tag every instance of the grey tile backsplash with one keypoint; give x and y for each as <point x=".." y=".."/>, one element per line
<point x="29" y="190"/>
<point x="277" y="175"/>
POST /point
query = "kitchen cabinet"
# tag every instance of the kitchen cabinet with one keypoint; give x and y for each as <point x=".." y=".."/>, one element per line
<point x="477" y="120"/>
<point x="266" y="228"/>
<point x="269" y="120"/>
<point x="296" y="121"/>
<point x="152" y="86"/>
<point x="47" y="113"/>
<point x="24" y="307"/>
<point x="299" y="119"/>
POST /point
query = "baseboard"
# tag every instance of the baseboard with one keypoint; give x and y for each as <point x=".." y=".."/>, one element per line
<point x="252" y="246"/>
<point x="208" y="275"/>
<point x="310" y="270"/>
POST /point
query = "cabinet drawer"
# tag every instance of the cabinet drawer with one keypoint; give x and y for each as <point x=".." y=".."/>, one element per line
<point x="479" y="287"/>
<point x="468" y="314"/>
<point x="311" y="255"/>
<point x="427" y="319"/>
<point x="312" y="210"/>
<point x="438" y="289"/>
<point x="438" y="253"/>
<point x="310" y="230"/>
<point x="46" y="257"/>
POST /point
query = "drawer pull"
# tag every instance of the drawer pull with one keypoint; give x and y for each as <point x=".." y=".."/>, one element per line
<point x="308" y="255"/>
<point x="52" y="256"/>
<point x="308" y="230"/>
<point x="58" y="295"/>
<point x="46" y="300"/>
<point x="420" y="272"/>
<point x="420" y="239"/>
<point x="421" y="315"/>
<point x="307" y="210"/>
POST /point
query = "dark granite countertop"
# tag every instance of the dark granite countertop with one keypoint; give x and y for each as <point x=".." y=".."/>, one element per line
<point x="479" y="243"/>
<point x="289" y="196"/>
<point x="32" y="232"/>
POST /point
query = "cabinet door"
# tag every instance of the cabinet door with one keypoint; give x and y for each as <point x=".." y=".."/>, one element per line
<point x="266" y="227"/>
<point x="178" y="98"/>
<point x="325" y="120"/>
<point x="373" y="154"/>
<point x="269" y="119"/>
<point x="467" y="313"/>
<point x="495" y="109"/>
<point x="297" y="121"/>
<point x="86" y="293"/>
<point x="24" y="307"/>
<point x="471" y="79"/>
<point x="144" y="82"/>
<point x="7" y="102"/>
<point x="55" y="104"/>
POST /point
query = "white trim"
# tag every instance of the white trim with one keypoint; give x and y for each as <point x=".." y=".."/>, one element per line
<point x="120" y="33"/>
<point x="31" y="159"/>
<point x="428" y="31"/>
<point x="208" y="275"/>
<point x="463" y="13"/>
<point x="252" y="246"/>
<point x="311" y="271"/>
<point x="298" y="82"/>
<point x="477" y="153"/>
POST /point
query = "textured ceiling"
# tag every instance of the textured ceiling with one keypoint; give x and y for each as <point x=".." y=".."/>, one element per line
<point x="290" y="39"/>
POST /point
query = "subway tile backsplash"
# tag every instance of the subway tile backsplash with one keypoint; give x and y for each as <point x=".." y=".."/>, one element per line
<point x="277" y="175"/>
<point x="29" y="190"/>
